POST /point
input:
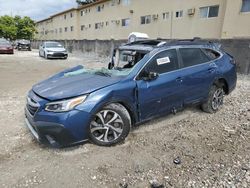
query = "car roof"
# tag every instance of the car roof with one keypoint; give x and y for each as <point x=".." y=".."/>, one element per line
<point x="141" y="45"/>
<point x="149" y="45"/>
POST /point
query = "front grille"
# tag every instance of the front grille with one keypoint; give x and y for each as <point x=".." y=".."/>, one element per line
<point x="32" y="109"/>
<point x="59" y="54"/>
<point x="32" y="106"/>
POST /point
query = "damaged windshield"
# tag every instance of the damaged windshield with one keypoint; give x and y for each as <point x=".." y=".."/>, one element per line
<point x="122" y="63"/>
<point x="101" y="72"/>
<point x="125" y="60"/>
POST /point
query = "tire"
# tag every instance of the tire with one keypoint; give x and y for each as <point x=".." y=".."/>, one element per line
<point x="110" y="126"/>
<point x="44" y="55"/>
<point x="215" y="99"/>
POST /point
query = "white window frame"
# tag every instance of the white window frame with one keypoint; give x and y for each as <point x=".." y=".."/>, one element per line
<point x="180" y="14"/>
<point x="242" y="6"/>
<point x="165" y="15"/>
<point x="126" y="22"/>
<point x="148" y="19"/>
<point x="208" y="11"/>
<point x="126" y="2"/>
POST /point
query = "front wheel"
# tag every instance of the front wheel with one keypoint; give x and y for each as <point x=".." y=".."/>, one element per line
<point x="110" y="125"/>
<point x="215" y="99"/>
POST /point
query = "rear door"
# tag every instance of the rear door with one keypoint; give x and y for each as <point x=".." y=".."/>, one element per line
<point x="198" y="73"/>
<point x="164" y="93"/>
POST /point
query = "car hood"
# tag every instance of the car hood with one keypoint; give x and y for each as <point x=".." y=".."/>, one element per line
<point x="60" y="86"/>
<point x="5" y="45"/>
<point x="56" y="49"/>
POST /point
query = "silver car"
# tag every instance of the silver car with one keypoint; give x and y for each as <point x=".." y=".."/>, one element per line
<point x="52" y="49"/>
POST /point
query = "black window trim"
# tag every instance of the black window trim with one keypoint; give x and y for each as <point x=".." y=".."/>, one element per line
<point x="211" y="61"/>
<point x="180" y="62"/>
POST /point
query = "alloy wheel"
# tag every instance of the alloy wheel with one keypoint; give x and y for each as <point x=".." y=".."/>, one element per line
<point x="107" y="126"/>
<point x="217" y="99"/>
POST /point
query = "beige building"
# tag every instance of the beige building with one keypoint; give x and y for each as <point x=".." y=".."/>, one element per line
<point x="115" y="19"/>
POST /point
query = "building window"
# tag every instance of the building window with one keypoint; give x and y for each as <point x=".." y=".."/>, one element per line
<point x="209" y="12"/>
<point x="56" y="31"/>
<point x="126" y="2"/>
<point x="82" y="27"/>
<point x="165" y="15"/>
<point x="179" y="14"/>
<point x="82" y="13"/>
<point x="99" y="25"/>
<point x="71" y="14"/>
<point x="65" y="29"/>
<point x="65" y="16"/>
<point x="146" y="19"/>
<point x="72" y="28"/>
<point x="107" y="23"/>
<point x="60" y="30"/>
<point x="89" y="25"/>
<point x="125" y="22"/>
<point x="245" y="6"/>
<point x="98" y="8"/>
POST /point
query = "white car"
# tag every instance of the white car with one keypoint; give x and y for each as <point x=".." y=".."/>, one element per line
<point x="52" y="50"/>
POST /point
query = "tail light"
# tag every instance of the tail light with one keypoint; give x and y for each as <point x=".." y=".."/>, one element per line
<point x="233" y="61"/>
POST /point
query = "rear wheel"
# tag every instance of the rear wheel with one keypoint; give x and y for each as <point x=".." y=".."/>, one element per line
<point x="215" y="99"/>
<point x="110" y="125"/>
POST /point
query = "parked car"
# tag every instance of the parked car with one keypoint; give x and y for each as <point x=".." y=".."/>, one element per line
<point x="146" y="79"/>
<point x="23" y="45"/>
<point x="6" y="47"/>
<point x="52" y="50"/>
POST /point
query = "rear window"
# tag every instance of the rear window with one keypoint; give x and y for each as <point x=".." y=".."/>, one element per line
<point x="212" y="55"/>
<point x="193" y="56"/>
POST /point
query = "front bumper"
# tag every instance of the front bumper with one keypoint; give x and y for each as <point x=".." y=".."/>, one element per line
<point x="24" y="47"/>
<point x="6" y="51"/>
<point x="58" y="129"/>
<point x="57" y="55"/>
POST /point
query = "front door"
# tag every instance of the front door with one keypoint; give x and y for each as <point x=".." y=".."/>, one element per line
<point x="163" y="93"/>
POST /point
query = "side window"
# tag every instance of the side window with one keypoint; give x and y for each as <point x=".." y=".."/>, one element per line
<point x="212" y="55"/>
<point x="192" y="56"/>
<point x="163" y="62"/>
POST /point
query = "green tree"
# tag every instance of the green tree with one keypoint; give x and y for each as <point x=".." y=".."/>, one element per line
<point x="8" y="27"/>
<point x="17" y="27"/>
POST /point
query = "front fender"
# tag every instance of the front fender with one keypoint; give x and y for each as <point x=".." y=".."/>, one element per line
<point x="122" y="92"/>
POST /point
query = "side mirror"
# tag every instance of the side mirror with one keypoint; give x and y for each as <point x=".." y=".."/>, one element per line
<point x="148" y="76"/>
<point x="111" y="65"/>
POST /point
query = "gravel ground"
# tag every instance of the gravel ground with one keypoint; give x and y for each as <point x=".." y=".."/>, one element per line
<point x="189" y="149"/>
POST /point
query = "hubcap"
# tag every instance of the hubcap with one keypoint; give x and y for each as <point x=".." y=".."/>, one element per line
<point x="107" y="126"/>
<point x="218" y="98"/>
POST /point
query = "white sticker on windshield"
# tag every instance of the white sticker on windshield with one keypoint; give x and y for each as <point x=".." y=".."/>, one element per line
<point x="162" y="61"/>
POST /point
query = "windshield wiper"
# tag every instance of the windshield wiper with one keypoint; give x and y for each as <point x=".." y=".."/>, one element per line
<point x="103" y="74"/>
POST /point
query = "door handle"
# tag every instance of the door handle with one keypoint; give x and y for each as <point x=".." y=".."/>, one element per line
<point x="211" y="70"/>
<point x="179" y="79"/>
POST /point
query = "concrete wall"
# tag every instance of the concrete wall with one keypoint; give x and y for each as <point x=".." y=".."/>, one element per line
<point x="239" y="48"/>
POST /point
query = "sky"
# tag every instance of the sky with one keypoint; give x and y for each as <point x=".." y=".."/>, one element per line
<point x="36" y="9"/>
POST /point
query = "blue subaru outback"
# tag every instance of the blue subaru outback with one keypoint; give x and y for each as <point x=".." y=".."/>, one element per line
<point x="145" y="79"/>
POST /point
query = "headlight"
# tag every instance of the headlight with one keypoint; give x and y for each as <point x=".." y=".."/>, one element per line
<point x="65" y="105"/>
<point x="49" y="51"/>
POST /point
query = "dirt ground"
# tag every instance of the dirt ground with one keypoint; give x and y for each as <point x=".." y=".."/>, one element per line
<point x="213" y="150"/>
